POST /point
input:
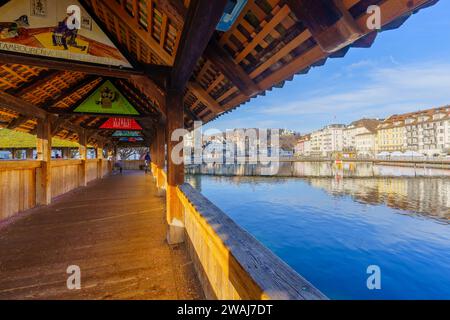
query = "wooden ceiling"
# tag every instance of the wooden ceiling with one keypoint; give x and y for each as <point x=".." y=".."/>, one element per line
<point x="271" y="42"/>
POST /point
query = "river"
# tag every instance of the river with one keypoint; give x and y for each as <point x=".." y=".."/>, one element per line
<point x="331" y="229"/>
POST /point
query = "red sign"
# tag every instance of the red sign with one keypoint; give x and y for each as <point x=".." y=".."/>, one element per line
<point x="121" y="124"/>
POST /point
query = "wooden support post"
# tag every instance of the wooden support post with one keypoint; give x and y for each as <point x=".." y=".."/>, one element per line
<point x="66" y="153"/>
<point x="114" y="159"/>
<point x="152" y="155"/>
<point x="99" y="152"/>
<point x="83" y="156"/>
<point x="175" y="172"/>
<point x="44" y="154"/>
<point x="30" y="154"/>
<point x="160" y="156"/>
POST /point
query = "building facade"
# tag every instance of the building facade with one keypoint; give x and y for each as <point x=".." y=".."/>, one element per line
<point x="303" y="147"/>
<point x="366" y="144"/>
<point x="328" y="140"/>
<point x="428" y="132"/>
<point x="391" y="134"/>
<point x="363" y="126"/>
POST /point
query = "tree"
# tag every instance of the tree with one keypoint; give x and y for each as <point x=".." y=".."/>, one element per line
<point x="288" y="142"/>
<point x="127" y="153"/>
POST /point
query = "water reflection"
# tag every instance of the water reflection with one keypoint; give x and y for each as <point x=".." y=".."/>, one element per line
<point x="323" y="169"/>
<point x="425" y="196"/>
<point x="428" y="196"/>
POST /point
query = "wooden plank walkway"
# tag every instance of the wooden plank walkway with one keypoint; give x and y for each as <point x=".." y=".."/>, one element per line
<point x="114" y="230"/>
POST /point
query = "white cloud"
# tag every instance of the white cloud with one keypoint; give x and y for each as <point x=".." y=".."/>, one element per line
<point x="386" y="91"/>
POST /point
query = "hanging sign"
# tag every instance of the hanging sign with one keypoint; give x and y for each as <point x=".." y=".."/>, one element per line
<point x="138" y="139"/>
<point x="121" y="124"/>
<point x="126" y="134"/>
<point x="106" y="100"/>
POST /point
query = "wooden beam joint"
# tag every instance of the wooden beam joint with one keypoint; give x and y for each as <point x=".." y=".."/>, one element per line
<point x="329" y="22"/>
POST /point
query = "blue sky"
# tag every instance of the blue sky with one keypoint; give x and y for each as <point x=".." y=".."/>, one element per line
<point x="406" y="69"/>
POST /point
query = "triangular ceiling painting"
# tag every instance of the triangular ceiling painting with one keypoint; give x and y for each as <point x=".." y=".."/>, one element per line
<point x="56" y="29"/>
<point x="121" y="124"/>
<point x="107" y="100"/>
<point x="126" y="134"/>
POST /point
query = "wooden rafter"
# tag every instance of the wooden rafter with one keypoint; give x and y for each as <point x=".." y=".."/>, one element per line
<point x="57" y="64"/>
<point x="28" y="109"/>
<point x="226" y="65"/>
<point x="115" y="9"/>
<point x="21" y="106"/>
<point x="204" y="97"/>
<point x="41" y="79"/>
<point x="17" y="122"/>
<point x="70" y="91"/>
<point x="146" y="107"/>
<point x="202" y="19"/>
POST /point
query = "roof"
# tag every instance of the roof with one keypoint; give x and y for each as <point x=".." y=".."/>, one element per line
<point x="398" y="120"/>
<point x="369" y="124"/>
<point x="21" y="140"/>
<point x="270" y="42"/>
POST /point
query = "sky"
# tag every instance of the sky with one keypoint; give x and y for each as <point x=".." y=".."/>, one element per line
<point x="407" y="69"/>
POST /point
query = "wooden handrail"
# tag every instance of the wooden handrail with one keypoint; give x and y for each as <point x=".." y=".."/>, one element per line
<point x="249" y="267"/>
<point x="19" y="164"/>
<point x="62" y="162"/>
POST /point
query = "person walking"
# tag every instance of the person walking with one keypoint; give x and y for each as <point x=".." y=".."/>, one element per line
<point x="147" y="159"/>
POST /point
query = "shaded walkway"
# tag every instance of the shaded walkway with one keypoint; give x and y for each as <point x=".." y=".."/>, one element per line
<point x="114" y="230"/>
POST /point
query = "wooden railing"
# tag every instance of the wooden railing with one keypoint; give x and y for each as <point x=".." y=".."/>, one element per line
<point x="18" y="186"/>
<point x="65" y="176"/>
<point x="18" y="189"/>
<point x="160" y="177"/>
<point x="132" y="164"/>
<point x="230" y="263"/>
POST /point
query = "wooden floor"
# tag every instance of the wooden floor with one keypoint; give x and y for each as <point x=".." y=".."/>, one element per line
<point x="114" y="230"/>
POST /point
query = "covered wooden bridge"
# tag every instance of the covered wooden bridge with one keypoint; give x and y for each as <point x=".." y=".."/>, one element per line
<point x="110" y="73"/>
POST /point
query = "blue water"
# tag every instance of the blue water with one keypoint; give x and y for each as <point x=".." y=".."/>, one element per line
<point x="330" y="234"/>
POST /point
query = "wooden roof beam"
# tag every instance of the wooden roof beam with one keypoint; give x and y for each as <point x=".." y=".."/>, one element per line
<point x="21" y="106"/>
<point x="69" y="91"/>
<point x="148" y="86"/>
<point x="226" y="65"/>
<point x="26" y="108"/>
<point x="17" y="122"/>
<point x="42" y="78"/>
<point x="175" y="10"/>
<point x="75" y="66"/>
<point x="117" y="10"/>
<point x="204" y="97"/>
<point x="146" y="106"/>
<point x="191" y="114"/>
<point x="329" y="22"/>
<point x="201" y="21"/>
<point x="60" y="122"/>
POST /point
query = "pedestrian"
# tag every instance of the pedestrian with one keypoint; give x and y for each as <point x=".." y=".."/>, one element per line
<point x="147" y="159"/>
